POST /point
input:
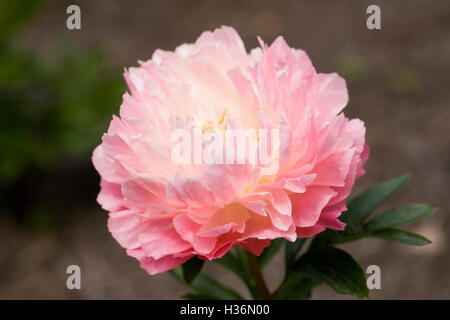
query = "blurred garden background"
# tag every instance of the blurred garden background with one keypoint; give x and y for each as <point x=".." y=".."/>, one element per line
<point x="60" y="87"/>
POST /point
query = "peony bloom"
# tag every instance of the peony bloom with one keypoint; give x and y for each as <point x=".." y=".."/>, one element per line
<point x="164" y="213"/>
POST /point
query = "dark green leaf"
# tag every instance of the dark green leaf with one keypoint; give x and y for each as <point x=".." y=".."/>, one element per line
<point x="205" y="285"/>
<point x="360" y="207"/>
<point x="269" y="252"/>
<point x="192" y="268"/>
<point x="231" y="262"/>
<point x="297" y="286"/>
<point x="325" y="239"/>
<point x="238" y="262"/>
<point x="401" y="236"/>
<point x="291" y="251"/>
<point x="249" y="276"/>
<point x="399" y="216"/>
<point x="336" y="268"/>
<point x="332" y="237"/>
<point x="177" y="273"/>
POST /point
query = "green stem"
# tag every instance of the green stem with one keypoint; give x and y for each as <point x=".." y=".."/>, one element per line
<point x="263" y="290"/>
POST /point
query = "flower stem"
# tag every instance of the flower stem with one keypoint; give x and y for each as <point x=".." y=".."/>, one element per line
<point x="263" y="290"/>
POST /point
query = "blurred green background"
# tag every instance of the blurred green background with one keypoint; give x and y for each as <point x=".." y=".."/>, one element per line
<point x="54" y="108"/>
<point x="60" y="87"/>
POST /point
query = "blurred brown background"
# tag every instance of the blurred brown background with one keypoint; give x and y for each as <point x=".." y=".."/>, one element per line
<point x="398" y="79"/>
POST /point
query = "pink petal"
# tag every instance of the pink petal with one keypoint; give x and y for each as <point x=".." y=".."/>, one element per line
<point x="307" y="207"/>
<point x="145" y="191"/>
<point x="190" y="191"/>
<point x="153" y="266"/>
<point x="188" y="230"/>
<point x="110" y="196"/>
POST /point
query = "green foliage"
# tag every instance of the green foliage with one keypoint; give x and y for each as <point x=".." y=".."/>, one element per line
<point x="330" y="265"/>
<point x="205" y="287"/>
<point x="297" y="286"/>
<point x="191" y="269"/>
<point x="401" y="236"/>
<point x="336" y="268"/>
<point x="363" y="205"/>
<point x="399" y="216"/>
<point x="238" y="262"/>
<point x="360" y="207"/>
<point x="269" y="252"/>
<point x="291" y="251"/>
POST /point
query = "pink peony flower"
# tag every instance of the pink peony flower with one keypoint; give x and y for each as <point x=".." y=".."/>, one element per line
<point x="165" y="213"/>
